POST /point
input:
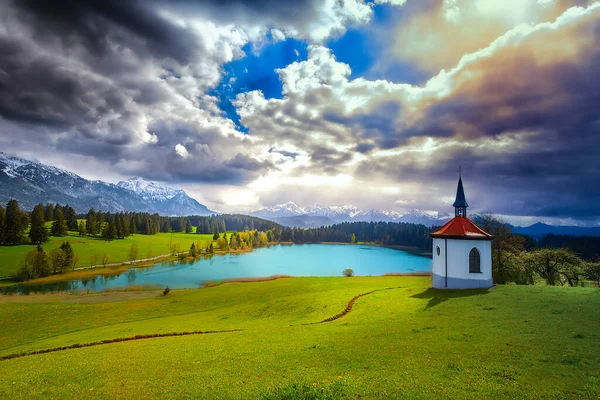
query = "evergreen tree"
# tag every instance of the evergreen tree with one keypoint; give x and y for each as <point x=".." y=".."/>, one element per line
<point x="99" y="220"/>
<point x="38" y="232"/>
<point x="59" y="226"/>
<point x="70" y="218"/>
<point x="90" y="223"/>
<point x="119" y="226"/>
<point x="69" y="256"/>
<point x="225" y="235"/>
<point x="133" y="226"/>
<point x="49" y="212"/>
<point x="188" y="226"/>
<point x="216" y="236"/>
<point x="82" y="230"/>
<point x="192" y="252"/>
<point x="15" y="223"/>
<point x="211" y="250"/>
<point x="110" y="230"/>
<point x="2" y="224"/>
<point x="125" y="225"/>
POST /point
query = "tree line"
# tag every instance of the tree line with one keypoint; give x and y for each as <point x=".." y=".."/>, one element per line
<point x="554" y="259"/>
<point x="384" y="233"/>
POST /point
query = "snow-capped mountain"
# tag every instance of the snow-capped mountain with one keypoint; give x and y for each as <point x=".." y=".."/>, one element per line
<point x="290" y="214"/>
<point x="149" y="190"/>
<point x="288" y="209"/>
<point x="31" y="183"/>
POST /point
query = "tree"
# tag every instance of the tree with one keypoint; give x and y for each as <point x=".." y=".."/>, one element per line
<point x="59" y="226"/>
<point x="353" y="238"/>
<point x="592" y="270"/>
<point x="49" y="212"/>
<point x="211" y="249"/>
<point x="216" y="236"/>
<point x="192" y="252"/>
<point x="57" y="260"/>
<point x="70" y="217"/>
<point x="348" y="272"/>
<point x="222" y="244"/>
<point x="82" y="230"/>
<point x="38" y="232"/>
<point x="233" y="242"/>
<point x="188" y="226"/>
<point x="69" y="256"/>
<point x="15" y="223"/>
<point x="133" y="252"/>
<point x="90" y="223"/>
<point x="553" y="265"/>
<point x="2" y="224"/>
<point x="505" y="246"/>
<point x="35" y="264"/>
<point x="110" y="230"/>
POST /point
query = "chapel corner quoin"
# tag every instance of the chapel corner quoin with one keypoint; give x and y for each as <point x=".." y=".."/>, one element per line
<point x="462" y="251"/>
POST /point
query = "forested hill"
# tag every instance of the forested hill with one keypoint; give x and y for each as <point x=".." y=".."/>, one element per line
<point x="385" y="233"/>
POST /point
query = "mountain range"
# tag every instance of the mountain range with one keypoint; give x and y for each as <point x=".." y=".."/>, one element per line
<point x="290" y="214"/>
<point x="31" y="183"/>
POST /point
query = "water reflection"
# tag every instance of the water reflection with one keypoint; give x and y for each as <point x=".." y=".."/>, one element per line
<point x="295" y="260"/>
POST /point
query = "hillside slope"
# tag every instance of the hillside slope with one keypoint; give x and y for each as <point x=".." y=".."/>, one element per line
<point x="405" y="341"/>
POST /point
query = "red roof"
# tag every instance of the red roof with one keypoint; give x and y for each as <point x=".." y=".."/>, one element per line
<point x="461" y="228"/>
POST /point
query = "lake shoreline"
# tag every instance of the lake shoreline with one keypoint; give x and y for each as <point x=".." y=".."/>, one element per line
<point x="91" y="273"/>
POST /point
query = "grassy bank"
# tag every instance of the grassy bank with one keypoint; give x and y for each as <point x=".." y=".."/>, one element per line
<point x="90" y="250"/>
<point x="408" y="341"/>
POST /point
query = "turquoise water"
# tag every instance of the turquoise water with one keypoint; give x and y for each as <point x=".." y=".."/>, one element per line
<point x="294" y="260"/>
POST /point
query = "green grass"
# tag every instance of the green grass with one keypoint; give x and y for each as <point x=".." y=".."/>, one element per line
<point x="408" y="342"/>
<point x="11" y="257"/>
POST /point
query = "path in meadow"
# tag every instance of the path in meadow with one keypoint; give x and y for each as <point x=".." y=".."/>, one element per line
<point x="349" y="306"/>
<point x="173" y="334"/>
<point x="109" y="341"/>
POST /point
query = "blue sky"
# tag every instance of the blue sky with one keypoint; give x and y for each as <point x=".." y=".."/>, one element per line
<point x="361" y="47"/>
<point x="111" y="90"/>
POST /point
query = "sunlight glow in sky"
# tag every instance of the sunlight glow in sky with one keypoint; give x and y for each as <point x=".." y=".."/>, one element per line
<point x="247" y="104"/>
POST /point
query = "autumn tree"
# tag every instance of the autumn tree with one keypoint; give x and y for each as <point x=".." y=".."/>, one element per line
<point x="35" y="264"/>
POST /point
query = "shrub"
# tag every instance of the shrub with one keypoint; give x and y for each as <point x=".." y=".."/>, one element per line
<point x="348" y="272"/>
<point x="166" y="291"/>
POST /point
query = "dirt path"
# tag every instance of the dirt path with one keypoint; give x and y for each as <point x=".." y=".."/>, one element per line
<point x="122" y="296"/>
<point x="349" y="306"/>
<point x="109" y="341"/>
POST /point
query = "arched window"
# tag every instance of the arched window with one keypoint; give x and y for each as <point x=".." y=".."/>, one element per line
<point x="474" y="261"/>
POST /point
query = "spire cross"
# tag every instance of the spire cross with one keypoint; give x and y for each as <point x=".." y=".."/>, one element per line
<point x="459" y="171"/>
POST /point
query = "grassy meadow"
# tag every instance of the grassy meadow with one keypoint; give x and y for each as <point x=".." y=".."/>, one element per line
<point x="91" y="249"/>
<point x="404" y="340"/>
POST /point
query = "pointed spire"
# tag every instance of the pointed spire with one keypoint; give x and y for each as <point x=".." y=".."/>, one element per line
<point x="460" y="201"/>
<point x="460" y="204"/>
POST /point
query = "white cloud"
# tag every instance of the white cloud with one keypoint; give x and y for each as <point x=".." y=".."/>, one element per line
<point x="181" y="151"/>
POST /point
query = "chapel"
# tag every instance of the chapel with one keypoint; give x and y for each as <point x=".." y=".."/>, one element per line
<point x="462" y="251"/>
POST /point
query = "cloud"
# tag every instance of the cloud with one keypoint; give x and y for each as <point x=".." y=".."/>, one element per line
<point x="514" y="113"/>
<point x="127" y="88"/>
<point x="181" y="151"/>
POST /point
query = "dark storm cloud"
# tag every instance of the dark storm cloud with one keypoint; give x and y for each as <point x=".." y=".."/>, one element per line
<point x="96" y="23"/>
<point x="115" y="81"/>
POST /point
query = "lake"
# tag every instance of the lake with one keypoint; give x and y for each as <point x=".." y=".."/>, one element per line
<point x="293" y="260"/>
